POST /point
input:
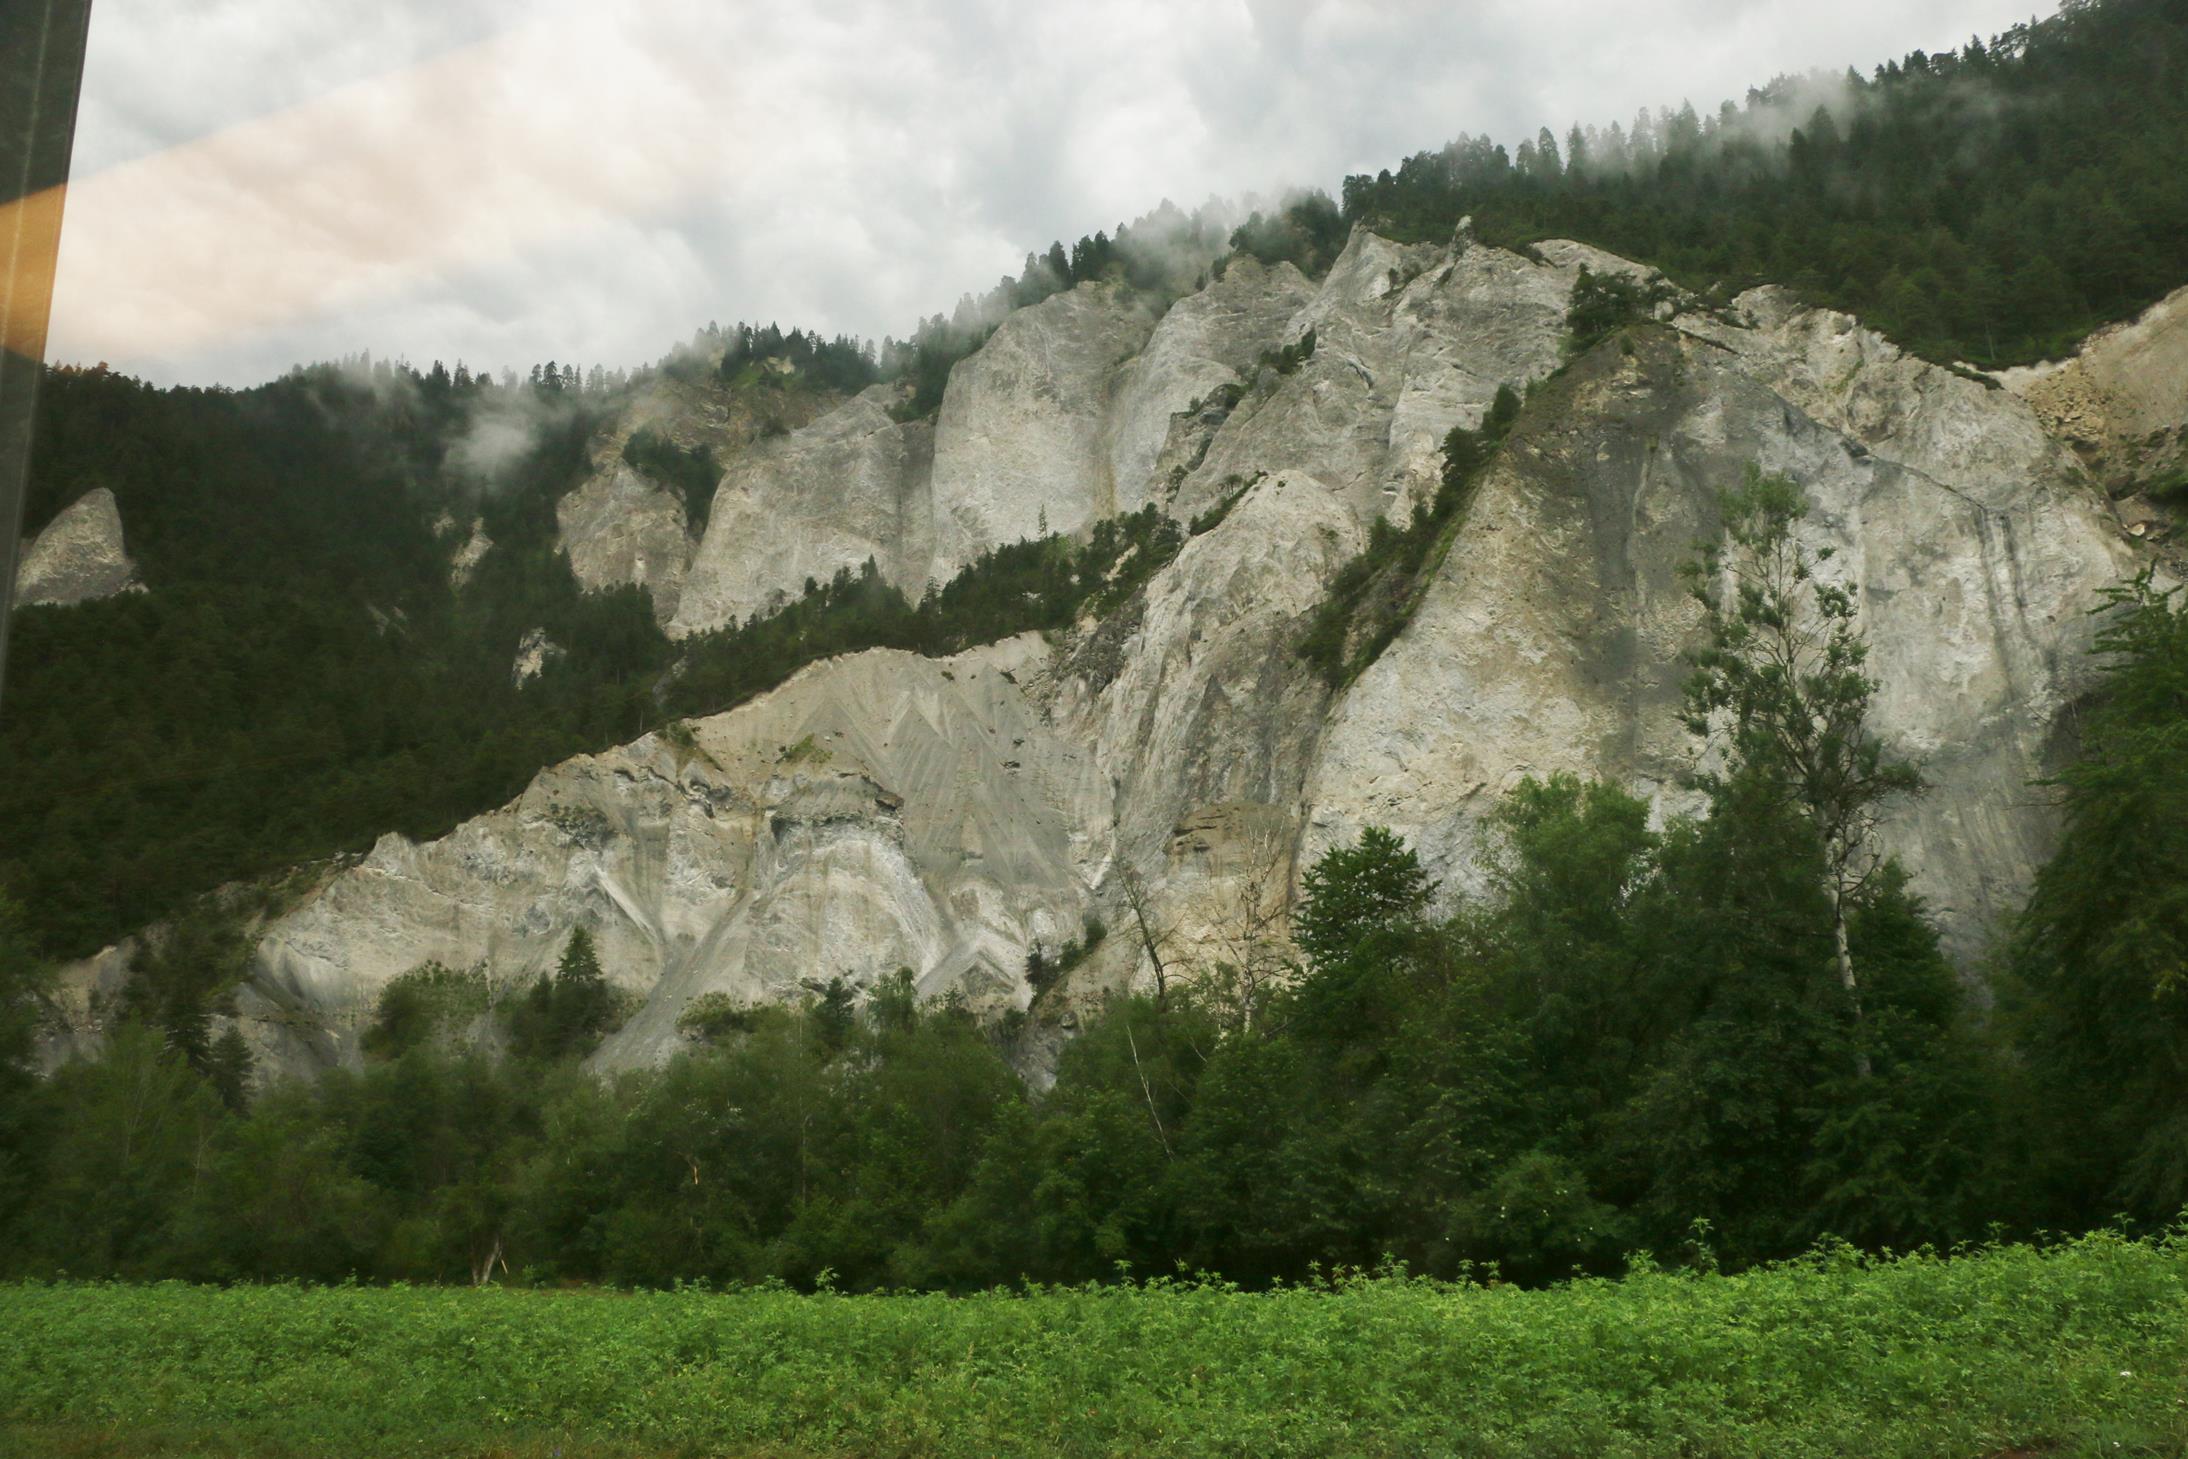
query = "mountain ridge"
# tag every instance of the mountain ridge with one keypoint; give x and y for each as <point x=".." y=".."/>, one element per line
<point x="1211" y="764"/>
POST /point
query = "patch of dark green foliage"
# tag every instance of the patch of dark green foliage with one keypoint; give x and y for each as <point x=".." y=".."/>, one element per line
<point x="1307" y="232"/>
<point x="1287" y="359"/>
<point x="565" y="1014"/>
<point x="301" y="676"/>
<point x="841" y="364"/>
<point x="1043" y="584"/>
<point x="691" y="472"/>
<point x="1211" y="519"/>
<point x="1603" y="304"/>
<point x="1045" y="969"/>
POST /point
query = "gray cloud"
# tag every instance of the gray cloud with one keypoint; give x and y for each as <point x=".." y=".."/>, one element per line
<point x="262" y="183"/>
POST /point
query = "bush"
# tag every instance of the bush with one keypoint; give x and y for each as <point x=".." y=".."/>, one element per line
<point x="567" y="1013"/>
<point x="1044" y="972"/>
<point x="429" y="1005"/>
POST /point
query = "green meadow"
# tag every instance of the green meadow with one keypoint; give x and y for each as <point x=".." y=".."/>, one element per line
<point x="2080" y="1349"/>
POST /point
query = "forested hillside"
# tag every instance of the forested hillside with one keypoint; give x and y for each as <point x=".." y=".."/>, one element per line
<point x="1635" y="1039"/>
<point x="1991" y="204"/>
<point x="301" y="675"/>
<point x="305" y="675"/>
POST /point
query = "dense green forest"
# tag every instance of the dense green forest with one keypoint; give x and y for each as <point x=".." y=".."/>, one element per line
<point x="301" y="676"/>
<point x="1990" y="204"/>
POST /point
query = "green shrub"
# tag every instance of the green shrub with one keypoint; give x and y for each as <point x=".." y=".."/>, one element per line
<point x="430" y="1004"/>
<point x="1603" y="304"/>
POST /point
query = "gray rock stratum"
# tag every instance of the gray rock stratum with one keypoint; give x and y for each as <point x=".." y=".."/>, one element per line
<point x="1020" y="444"/>
<point x="876" y="812"/>
<point x="848" y="487"/>
<point x="1550" y="639"/>
<point x="618" y="527"/>
<point x="882" y="810"/>
<point x="79" y="556"/>
<point x="2122" y="398"/>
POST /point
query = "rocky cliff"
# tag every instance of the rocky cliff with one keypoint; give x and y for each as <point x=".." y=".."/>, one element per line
<point x="619" y="526"/>
<point x="850" y="486"/>
<point x="2121" y="402"/>
<point x="1550" y="639"/>
<point x="79" y="555"/>
<point x="883" y="810"/>
<point x="876" y="812"/>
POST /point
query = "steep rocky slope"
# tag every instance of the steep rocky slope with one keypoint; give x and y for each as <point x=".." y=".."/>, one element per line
<point x="620" y="526"/>
<point x="78" y="556"/>
<point x="849" y="486"/>
<point x="1019" y="443"/>
<point x="1550" y="640"/>
<point x="2121" y="402"/>
<point x="881" y="810"/>
<point x="877" y="812"/>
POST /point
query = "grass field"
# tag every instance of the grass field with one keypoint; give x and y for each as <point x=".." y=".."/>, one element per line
<point x="2078" y="1350"/>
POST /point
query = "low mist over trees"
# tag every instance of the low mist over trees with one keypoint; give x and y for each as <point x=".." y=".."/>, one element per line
<point x="1992" y="203"/>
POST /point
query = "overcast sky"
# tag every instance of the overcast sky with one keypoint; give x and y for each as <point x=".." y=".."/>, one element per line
<point x="263" y="182"/>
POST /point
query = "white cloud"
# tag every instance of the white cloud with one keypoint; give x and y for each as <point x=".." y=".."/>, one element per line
<point x="260" y="183"/>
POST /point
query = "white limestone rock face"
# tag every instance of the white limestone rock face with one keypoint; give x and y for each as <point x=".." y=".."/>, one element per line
<point x="1202" y="718"/>
<point x="1205" y="342"/>
<point x="1957" y="431"/>
<point x="619" y="528"/>
<point x="79" y="557"/>
<point x="1409" y="342"/>
<point x="1022" y="438"/>
<point x="882" y="810"/>
<point x="2122" y="397"/>
<point x="465" y="560"/>
<point x="850" y="486"/>
<point x="287" y="1038"/>
<point x="1196" y="696"/>
<point x="879" y="811"/>
<point x="535" y="651"/>
<point x="1564" y="253"/>
<point x="1551" y="637"/>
